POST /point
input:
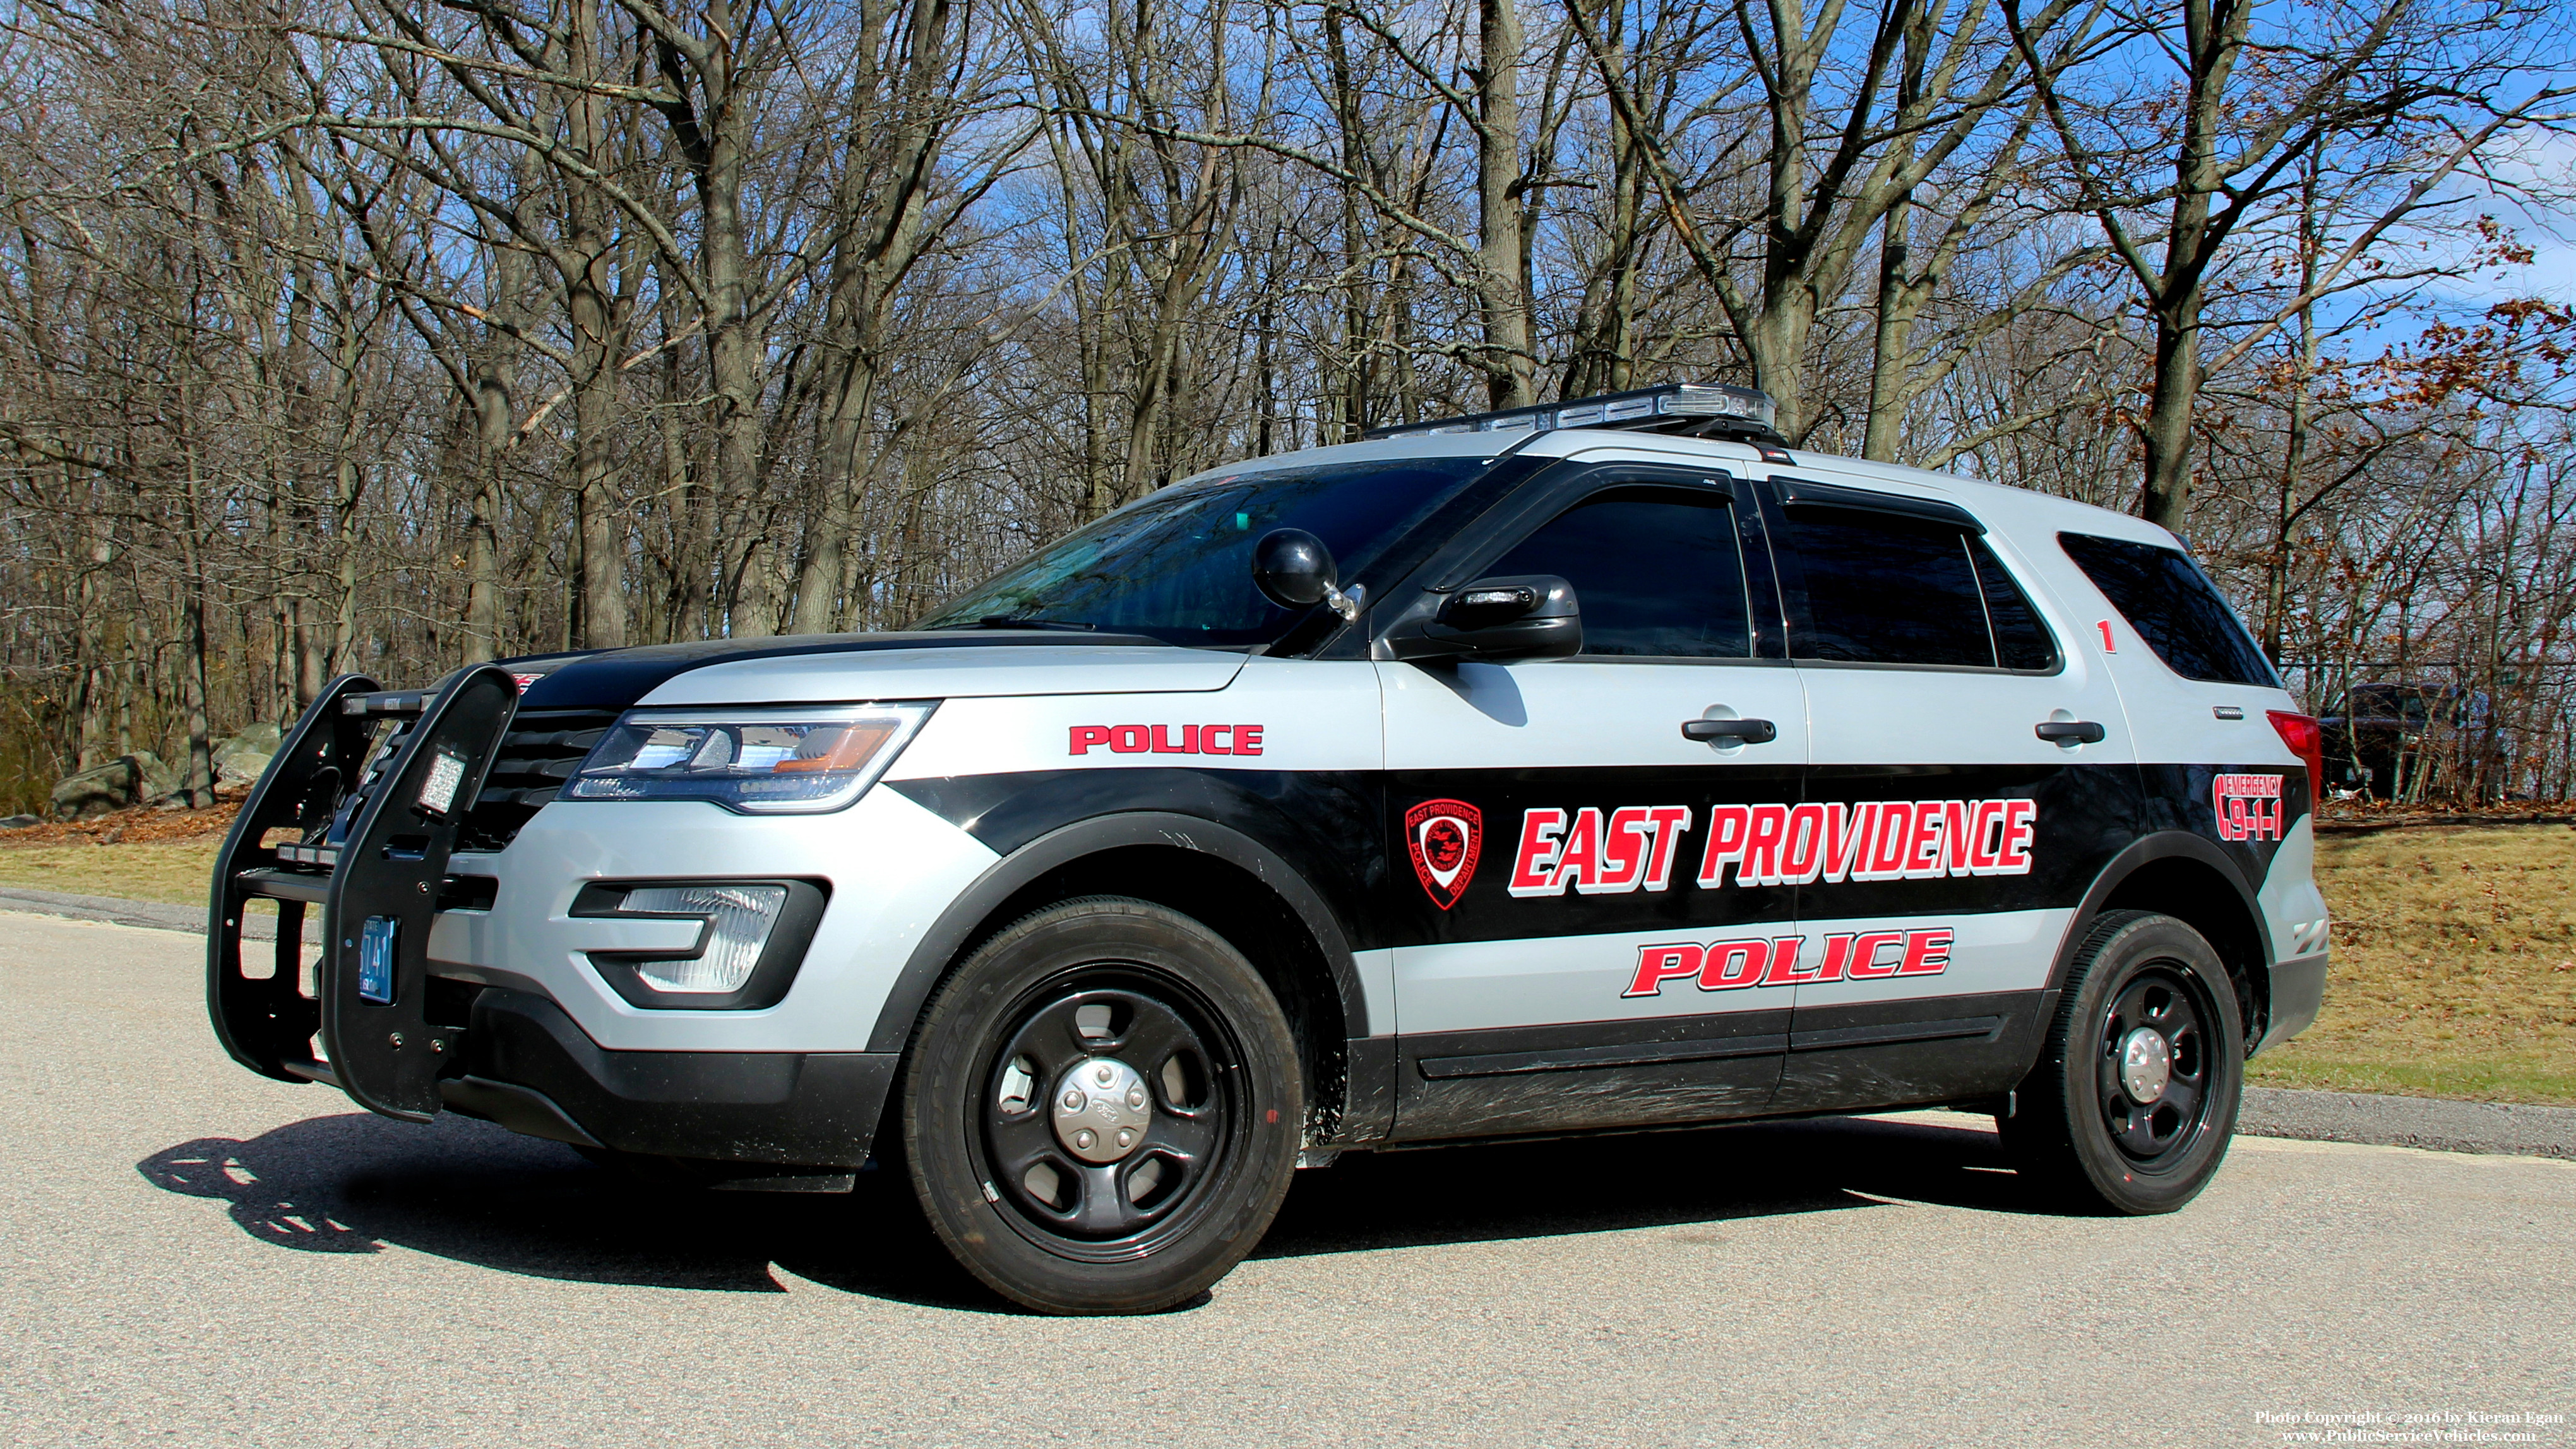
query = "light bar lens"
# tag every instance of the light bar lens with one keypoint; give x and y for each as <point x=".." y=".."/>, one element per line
<point x="762" y="762"/>
<point x="1672" y="400"/>
<point x="738" y="919"/>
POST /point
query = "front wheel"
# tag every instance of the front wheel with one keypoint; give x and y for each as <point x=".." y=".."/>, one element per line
<point x="2134" y="1099"/>
<point x="1101" y="1108"/>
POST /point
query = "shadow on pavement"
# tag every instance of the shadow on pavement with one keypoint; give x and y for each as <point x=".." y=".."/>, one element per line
<point x="1640" y="1180"/>
<point x="469" y="1191"/>
<point x="475" y="1193"/>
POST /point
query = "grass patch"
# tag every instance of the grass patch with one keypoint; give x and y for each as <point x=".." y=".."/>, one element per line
<point x="2499" y="1079"/>
<point x="2454" y="971"/>
<point x="139" y="854"/>
<point x="181" y="871"/>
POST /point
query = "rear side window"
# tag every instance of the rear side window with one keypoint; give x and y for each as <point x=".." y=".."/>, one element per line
<point x="2174" y="607"/>
<point x="1657" y="572"/>
<point x="1883" y="588"/>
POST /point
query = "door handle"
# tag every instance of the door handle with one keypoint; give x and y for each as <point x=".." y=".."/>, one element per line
<point x="1745" y="731"/>
<point x="2065" y="731"/>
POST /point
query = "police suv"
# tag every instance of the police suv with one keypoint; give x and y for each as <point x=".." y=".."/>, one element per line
<point x="1598" y="766"/>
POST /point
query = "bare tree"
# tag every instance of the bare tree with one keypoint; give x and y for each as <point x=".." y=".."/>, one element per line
<point x="2430" y="88"/>
<point x="362" y="335"/>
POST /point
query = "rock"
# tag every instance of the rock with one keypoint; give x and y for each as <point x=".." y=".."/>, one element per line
<point x="240" y="760"/>
<point x="240" y="770"/>
<point x="123" y="781"/>
<point x="259" y="739"/>
<point x="19" y="822"/>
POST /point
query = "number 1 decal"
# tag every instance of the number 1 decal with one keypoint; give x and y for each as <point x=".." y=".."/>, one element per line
<point x="2108" y="647"/>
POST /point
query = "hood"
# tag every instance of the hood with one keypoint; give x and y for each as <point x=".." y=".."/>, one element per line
<point x="939" y="664"/>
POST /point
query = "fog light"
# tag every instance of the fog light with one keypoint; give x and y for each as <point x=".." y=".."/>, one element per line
<point x="748" y="943"/>
<point x="738" y="920"/>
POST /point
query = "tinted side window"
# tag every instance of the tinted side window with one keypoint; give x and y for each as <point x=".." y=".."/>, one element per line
<point x="2021" y="640"/>
<point x="2172" y="605"/>
<point x="1885" y="589"/>
<point x="1656" y="570"/>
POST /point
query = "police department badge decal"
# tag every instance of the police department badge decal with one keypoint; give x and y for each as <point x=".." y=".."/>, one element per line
<point x="1444" y="838"/>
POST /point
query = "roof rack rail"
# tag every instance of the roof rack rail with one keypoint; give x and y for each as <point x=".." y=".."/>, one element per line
<point x="1693" y="409"/>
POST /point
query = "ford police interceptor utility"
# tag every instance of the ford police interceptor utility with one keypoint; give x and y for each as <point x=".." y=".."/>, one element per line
<point x="1598" y="766"/>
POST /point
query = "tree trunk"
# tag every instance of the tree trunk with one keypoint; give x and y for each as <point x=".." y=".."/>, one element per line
<point x="1602" y="348"/>
<point x="198" y="783"/>
<point x="592" y="303"/>
<point x="2214" y="34"/>
<point x="880" y="209"/>
<point x="1901" y="295"/>
<point x="1897" y="308"/>
<point x="1357" y="364"/>
<point x="2166" y="499"/>
<point x="2294" y="458"/>
<point x="495" y="381"/>
<point x="1500" y="289"/>
<point x="97" y="674"/>
<point x="734" y="345"/>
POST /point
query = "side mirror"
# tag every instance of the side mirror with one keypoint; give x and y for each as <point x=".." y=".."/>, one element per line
<point x="1525" y="616"/>
<point x="1294" y="570"/>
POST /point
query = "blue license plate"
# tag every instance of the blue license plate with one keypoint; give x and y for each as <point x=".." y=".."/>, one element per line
<point x="376" y="959"/>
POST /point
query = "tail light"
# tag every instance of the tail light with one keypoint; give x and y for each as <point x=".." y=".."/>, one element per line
<point x="2307" y="740"/>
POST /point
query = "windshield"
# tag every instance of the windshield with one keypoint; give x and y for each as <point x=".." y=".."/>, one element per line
<point x="1177" y="566"/>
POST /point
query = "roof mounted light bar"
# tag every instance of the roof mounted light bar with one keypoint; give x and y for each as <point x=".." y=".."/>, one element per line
<point x="1705" y="409"/>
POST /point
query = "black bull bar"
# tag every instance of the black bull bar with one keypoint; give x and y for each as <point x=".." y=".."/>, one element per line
<point x="358" y="814"/>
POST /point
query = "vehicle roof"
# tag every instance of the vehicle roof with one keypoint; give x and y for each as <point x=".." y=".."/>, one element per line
<point x="1997" y="505"/>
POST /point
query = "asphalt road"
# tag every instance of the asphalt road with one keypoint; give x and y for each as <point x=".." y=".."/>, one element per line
<point x="192" y="1255"/>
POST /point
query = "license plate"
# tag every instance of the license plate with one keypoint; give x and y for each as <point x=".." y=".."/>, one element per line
<point x="376" y="959"/>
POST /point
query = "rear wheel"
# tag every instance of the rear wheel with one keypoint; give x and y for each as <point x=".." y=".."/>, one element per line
<point x="2134" y="1099"/>
<point x="1101" y="1108"/>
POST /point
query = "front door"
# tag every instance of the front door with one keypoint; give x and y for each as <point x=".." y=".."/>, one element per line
<point x="1972" y="776"/>
<point x="1569" y="950"/>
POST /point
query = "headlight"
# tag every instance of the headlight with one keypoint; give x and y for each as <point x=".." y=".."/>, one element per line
<point x="759" y="761"/>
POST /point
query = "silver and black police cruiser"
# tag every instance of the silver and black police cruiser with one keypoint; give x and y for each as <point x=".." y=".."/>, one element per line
<point x="1597" y="766"/>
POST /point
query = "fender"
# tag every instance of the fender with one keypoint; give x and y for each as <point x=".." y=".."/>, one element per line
<point x="948" y="935"/>
<point x="2163" y="845"/>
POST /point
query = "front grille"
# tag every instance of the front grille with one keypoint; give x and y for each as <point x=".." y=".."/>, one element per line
<point x="542" y="749"/>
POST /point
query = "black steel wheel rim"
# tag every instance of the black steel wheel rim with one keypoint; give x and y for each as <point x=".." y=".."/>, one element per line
<point x="1191" y="1069"/>
<point x="2166" y="1003"/>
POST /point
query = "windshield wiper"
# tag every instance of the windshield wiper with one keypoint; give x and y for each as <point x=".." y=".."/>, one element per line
<point x="1008" y="621"/>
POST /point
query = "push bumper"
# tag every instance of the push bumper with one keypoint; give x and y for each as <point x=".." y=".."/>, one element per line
<point x="531" y="1068"/>
<point x="2298" y="990"/>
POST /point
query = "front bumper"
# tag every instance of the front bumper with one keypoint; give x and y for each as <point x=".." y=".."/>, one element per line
<point x="889" y="866"/>
<point x="531" y="1068"/>
<point x="549" y="1046"/>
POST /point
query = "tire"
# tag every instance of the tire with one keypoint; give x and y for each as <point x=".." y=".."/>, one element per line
<point x="1112" y="1003"/>
<point x="2095" y="1132"/>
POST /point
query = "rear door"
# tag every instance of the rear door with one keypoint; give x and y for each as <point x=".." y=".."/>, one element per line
<point x="2214" y="763"/>
<point x="1971" y="776"/>
<point x="1558" y="962"/>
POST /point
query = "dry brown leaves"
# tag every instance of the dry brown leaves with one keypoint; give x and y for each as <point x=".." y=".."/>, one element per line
<point x="139" y="826"/>
<point x="2357" y="817"/>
